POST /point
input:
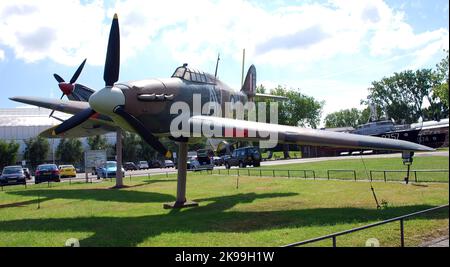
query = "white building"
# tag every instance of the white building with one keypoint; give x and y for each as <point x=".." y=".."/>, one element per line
<point x="19" y="124"/>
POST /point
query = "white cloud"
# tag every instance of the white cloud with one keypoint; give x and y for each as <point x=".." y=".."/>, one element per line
<point x="194" y="31"/>
<point x="2" y="55"/>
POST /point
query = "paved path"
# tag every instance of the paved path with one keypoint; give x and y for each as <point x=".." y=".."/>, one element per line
<point x="438" y="242"/>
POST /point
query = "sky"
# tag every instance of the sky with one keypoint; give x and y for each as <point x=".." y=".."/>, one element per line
<point x="331" y="50"/>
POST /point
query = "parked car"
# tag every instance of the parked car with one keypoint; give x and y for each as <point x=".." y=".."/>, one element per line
<point x="143" y="165"/>
<point x="13" y="175"/>
<point x="244" y="157"/>
<point x="130" y="166"/>
<point x="108" y="170"/>
<point x="46" y="173"/>
<point x="156" y="164"/>
<point x="168" y="164"/>
<point x="67" y="171"/>
<point x="27" y="173"/>
<point x="218" y="161"/>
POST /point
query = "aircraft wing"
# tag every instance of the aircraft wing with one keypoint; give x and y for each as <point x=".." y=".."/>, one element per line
<point x="257" y="131"/>
<point x="66" y="106"/>
<point x="87" y="128"/>
<point x="96" y="125"/>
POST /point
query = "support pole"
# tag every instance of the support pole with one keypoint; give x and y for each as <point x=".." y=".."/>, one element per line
<point x="119" y="176"/>
<point x="181" y="201"/>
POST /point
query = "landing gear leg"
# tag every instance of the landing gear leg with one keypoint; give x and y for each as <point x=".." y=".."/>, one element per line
<point x="181" y="201"/>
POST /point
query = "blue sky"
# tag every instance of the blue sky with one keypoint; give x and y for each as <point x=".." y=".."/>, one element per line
<point x="331" y="50"/>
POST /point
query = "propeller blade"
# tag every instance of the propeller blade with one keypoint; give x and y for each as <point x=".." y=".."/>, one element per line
<point x="58" y="78"/>
<point x="77" y="73"/>
<point x="143" y="132"/>
<point x="51" y="113"/>
<point x="74" y="121"/>
<point x="112" y="63"/>
<point x="62" y="96"/>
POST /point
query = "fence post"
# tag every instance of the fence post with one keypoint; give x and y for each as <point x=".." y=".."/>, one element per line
<point x="304" y="173"/>
<point x="334" y="241"/>
<point x="248" y="172"/>
<point x="402" y="234"/>
<point x="273" y="173"/>
<point x="415" y="175"/>
<point x="238" y="173"/>
<point x="314" y="174"/>
<point x="289" y="174"/>
<point x="260" y="173"/>
<point x="328" y="173"/>
<point x="384" y="173"/>
<point x="354" y="174"/>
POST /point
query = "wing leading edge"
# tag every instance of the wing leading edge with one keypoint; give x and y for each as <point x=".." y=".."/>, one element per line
<point x="254" y="131"/>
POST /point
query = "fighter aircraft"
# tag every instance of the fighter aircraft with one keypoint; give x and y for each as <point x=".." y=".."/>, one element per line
<point x="144" y="107"/>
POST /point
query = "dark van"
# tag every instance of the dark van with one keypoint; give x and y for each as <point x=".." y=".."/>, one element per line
<point x="244" y="157"/>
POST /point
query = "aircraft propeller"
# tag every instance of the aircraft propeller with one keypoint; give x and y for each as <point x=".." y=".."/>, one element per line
<point x="67" y="88"/>
<point x="111" y="100"/>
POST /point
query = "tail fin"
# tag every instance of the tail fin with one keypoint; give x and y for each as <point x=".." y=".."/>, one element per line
<point x="249" y="87"/>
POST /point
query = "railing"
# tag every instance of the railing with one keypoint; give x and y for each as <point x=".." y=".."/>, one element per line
<point x="335" y="235"/>
<point x="353" y="171"/>
<point x="260" y="172"/>
<point x="403" y="171"/>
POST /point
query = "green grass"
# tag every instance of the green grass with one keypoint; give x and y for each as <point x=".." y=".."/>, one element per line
<point x="260" y="212"/>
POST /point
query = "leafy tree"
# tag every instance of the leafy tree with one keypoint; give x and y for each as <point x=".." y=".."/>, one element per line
<point x="402" y="95"/>
<point x="97" y="142"/>
<point x="130" y="143"/>
<point x="69" y="151"/>
<point x="36" y="150"/>
<point x="441" y="89"/>
<point x="344" y="118"/>
<point x="8" y="153"/>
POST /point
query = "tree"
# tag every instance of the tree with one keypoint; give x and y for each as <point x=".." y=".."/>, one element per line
<point x="36" y="150"/>
<point x="130" y="142"/>
<point x="69" y="151"/>
<point x="97" y="142"/>
<point x="442" y="77"/>
<point x="8" y="153"/>
<point x="344" y="118"/>
<point x="402" y="95"/>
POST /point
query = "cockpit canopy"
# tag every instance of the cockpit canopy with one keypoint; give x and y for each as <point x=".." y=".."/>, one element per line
<point x="193" y="75"/>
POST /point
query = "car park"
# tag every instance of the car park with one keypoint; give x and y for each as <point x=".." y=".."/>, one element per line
<point x="12" y="175"/>
<point x="108" y="170"/>
<point x="244" y="157"/>
<point x="143" y="165"/>
<point x="46" y="173"/>
<point x="27" y="173"/>
<point x="67" y="171"/>
<point x="168" y="163"/>
<point x="130" y="166"/>
<point x="218" y="161"/>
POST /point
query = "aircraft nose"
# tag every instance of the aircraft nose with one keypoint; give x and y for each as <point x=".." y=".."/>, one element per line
<point x="105" y="100"/>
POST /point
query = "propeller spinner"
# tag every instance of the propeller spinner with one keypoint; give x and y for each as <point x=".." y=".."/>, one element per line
<point x="110" y="100"/>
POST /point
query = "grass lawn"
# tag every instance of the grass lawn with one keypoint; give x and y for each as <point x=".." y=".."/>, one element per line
<point x="261" y="212"/>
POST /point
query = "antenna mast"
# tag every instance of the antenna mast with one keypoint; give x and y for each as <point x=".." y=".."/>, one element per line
<point x="217" y="65"/>
<point x="243" y="63"/>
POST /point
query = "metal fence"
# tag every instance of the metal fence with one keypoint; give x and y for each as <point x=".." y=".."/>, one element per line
<point x="327" y="174"/>
<point x="401" y="219"/>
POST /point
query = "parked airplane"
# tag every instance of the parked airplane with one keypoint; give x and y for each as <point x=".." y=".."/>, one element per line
<point x="144" y="107"/>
